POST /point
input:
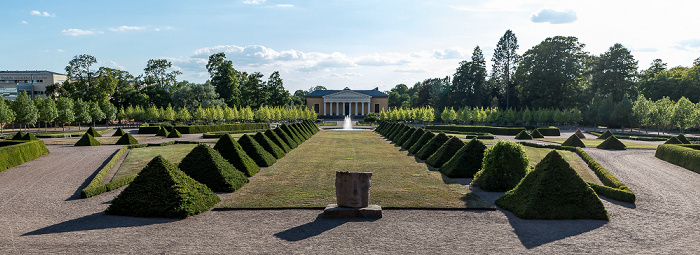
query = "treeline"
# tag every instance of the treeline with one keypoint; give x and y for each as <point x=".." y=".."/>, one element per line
<point x="484" y="116"/>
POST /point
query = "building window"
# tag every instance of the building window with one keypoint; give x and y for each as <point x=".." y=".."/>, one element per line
<point x="376" y="108"/>
<point x="317" y="108"/>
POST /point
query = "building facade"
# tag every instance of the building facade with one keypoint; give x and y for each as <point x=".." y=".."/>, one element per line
<point x="33" y="82"/>
<point x="331" y="103"/>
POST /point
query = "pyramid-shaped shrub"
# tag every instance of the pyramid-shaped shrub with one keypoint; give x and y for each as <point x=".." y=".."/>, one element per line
<point x="432" y="146"/>
<point x="394" y="128"/>
<point x="405" y="136"/>
<point x="87" y="140"/>
<point x="162" y="132"/>
<point x="391" y="128"/>
<point x="424" y="139"/>
<point x="673" y="140"/>
<point x="305" y="129"/>
<point x="445" y="152"/>
<point x="299" y="132"/>
<point x="395" y="135"/>
<point x="119" y="132"/>
<point x="553" y="191"/>
<point x="413" y="139"/>
<point x="29" y="137"/>
<point x="612" y="143"/>
<point x="523" y="135"/>
<point x="93" y="132"/>
<point x="574" y="141"/>
<point x="683" y="139"/>
<point x="277" y="140"/>
<point x="536" y="134"/>
<point x="174" y="134"/>
<point x="255" y="151"/>
<point x="505" y="164"/>
<point x="234" y="153"/>
<point x="269" y="145"/>
<point x="127" y="139"/>
<point x="162" y="190"/>
<point x="312" y="126"/>
<point x="18" y="136"/>
<point x="291" y="134"/>
<point x="606" y="134"/>
<point x="285" y="137"/>
<point x="206" y="165"/>
<point x="466" y="162"/>
<point x="580" y="134"/>
<point x="381" y="127"/>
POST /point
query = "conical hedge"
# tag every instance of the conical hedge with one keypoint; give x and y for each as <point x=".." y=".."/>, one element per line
<point x="305" y="129"/>
<point x="395" y="135"/>
<point x="505" y="164"/>
<point x="466" y="162"/>
<point x="580" y="134"/>
<point x="391" y="128"/>
<point x="119" y="132"/>
<point x="445" y="152"/>
<point x="269" y="145"/>
<point x="87" y="140"/>
<point x="162" y="190"/>
<point x="606" y="135"/>
<point x="312" y="125"/>
<point x="683" y="139"/>
<point x="523" y="135"/>
<point x="18" y="136"/>
<point x="413" y="139"/>
<point x="381" y="127"/>
<point x="277" y="140"/>
<point x="574" y="141"/>
<point x="127" y="139"/>
<point x="405" y="136"/>
<point x="673" y="140"/>
<point x="93" y="132"/>
<point x="536" y="134"/>
<point x="285" y="137"/>
<point x="29" y="137"/>
<point x="298" y="140"/>
<point x="553" y="191"/>
<point x="255" y="151"/>
<point x="162" y="132"/>
<point x="302" y="134"/>
<point x="612" y="143"/>
<point x="174" y="134"/>
<point x="206" y="165"/>
<point x="424" y="139"/>
<point x="234" y="153"/>
<point x="432" y="146"/>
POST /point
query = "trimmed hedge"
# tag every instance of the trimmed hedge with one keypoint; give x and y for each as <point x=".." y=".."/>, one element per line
<point x="206" y="165"/>
<point x="174" y="134"/>
<point x="87" y="140"/>
<point x="285" y="137"/>
<point x="673" y="140"/>
<point x="299" y="132"/>
<point x="424" y="139"/>
<point x="127" y="139"/>
<point x="478" y="129"/>
<point x="466" y="162"/>
<point x="269" y="145"/>
<point x="222" y="133"/>
<point x="683" y="139"/>
<point x="391" y="128"/>
<point x="195" y="129"/>
<point x="445" y="152"/>
<point x="162" y="132"/>
<point x="93" y="132"/>
<point x="277" y="140"/>
<point x="298" y="140"/>
<point x="523" y="135"/>
<point x="687" y="157"/>
<point x="505" y="164"/>
<point x="406" y="135"/>
<point x="549" y="131"/>
<point x="29" y="137"/>
<point x="234" y="153"/>
<point x="574" y="141"/>
<point x="432" y="146"/>
<point x="605" y="135"/>
<point x="16" y="153"/>
<point x="536" y="134"/>
<point x="18" y="136"/>
<point x="398" y="133"/>
<point x="119" y="132"/>
<point x="94" y="188"/>
<point x="612" y="143"/>
<point x="256" y="152"/>
<point x="413" y="139"/>
<point x="580" y="134"/>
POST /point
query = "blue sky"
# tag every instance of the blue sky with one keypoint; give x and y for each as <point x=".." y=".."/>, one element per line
<point x="357" y="44"/>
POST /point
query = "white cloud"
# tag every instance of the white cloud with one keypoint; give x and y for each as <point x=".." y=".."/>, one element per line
<point x="688" y="45"/>
<point x="24" y="22"/>
<point x="60" y="50"/>
<point x="452" y="53"/>
<point x="43" y="14"/>
<point x="554" y="17"/>
<point x="285" y="5"/>
<point x="127" y="28"/>
<point x="115" y="65"/>
<point x="381" y="60"/>
<point x="411" y="70"/>
<point x="77" y="32"/>
<point x="254" y="1"/>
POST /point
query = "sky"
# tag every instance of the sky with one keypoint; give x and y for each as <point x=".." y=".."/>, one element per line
<point x="336" y="44"/>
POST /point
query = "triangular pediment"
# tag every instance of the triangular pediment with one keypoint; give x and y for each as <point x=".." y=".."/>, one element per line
<point x="347" y="94"/>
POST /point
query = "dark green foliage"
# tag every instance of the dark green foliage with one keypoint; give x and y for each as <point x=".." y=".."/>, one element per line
<point x="285" y="137"/>
<point x="505" y="164"/>
<point x="16" y="153"/>
<point x="381" y="127"/>
<point x="395" y="128"/>
<point x="553" y="191"/>
<point x="432" y="146"/>
<point x="127" y="139"/>
<point x="466" y="162"/>
<point x="256" y="152"/>
<point x="291" y="134"/>
<point x="206" y="165"/>
<point x="119" y="132"/>
<point x="612" y="143"/>
<point x="479" y="129"/>
<point x="269" y="145"/>
<point x="298" y="132"/>
<point x="162" y="132"/>
<point x="683" y="139"/>
<point x="149" y="129"/>
<point x="687" y="157"/>
<point x="18" y="136"/>
<point x="162" y="190"/>
<point x="673" y="140"/>
<point x="536" y="134"/>
<point x="606" y="135"/>
<point x="277" y="140"/>
<point x="445" y="152"/>
<point x="93" y="132"/>
<point x="234" y="153"/>
<point x="405" y="136"/>
<point x="195" y="129"/>
<point x="574" y="141"/>
<point x="523" y="135"/>
<point x="413" y="139"/>
<point x="304" y="130"/>
<point x="398" y="132"/>
<point x="29" y="137"/>
<point x="389" y="129"/>
<point x="549" y="131"/>
<point x="311" y="126"/>
<point x="174" y="134"/>
<point x="87" y="140"/>
<point x="94" y="188"/>
<point x="424" y="139"/>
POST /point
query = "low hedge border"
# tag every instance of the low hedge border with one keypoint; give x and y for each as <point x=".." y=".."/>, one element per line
<point x="613" y="189"/>
<point x="477" y="129"/>
<point x="74" y="133"/>
<point x="645" y="137"/>
<point x="219" y="134"/>
<point x="471" y="135"/>
<point x="686" y="156"/>
<point x="195" y="129"/>
<point x="549" y="131"/>
<point x="16" y="153"/>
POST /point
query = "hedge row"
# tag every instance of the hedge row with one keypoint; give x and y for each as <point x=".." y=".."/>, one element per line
<point x="61" y="134"/>
<point x="220" y="134"/>
<point x="549" y="131"/>
<point x="645" y="137"/>
<point x="17" y="153"/>
<point x="471" y="135"/>
<point x="478" y="129"/>
<point x="686" y="156"/>
<point x="94" y="188"/>
<point x="195" y="129"/>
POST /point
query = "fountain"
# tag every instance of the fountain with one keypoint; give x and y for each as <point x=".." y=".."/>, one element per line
<point x="347" y="125"/>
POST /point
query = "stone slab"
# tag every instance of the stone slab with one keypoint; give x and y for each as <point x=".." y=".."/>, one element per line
<point x="335" y="211"/>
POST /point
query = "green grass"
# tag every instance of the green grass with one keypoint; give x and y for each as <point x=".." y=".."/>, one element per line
<point x="138" y="158"/>
<point x="537" y="154"/>
<point x="305" y="177"/>
<point x="592" y="143"/>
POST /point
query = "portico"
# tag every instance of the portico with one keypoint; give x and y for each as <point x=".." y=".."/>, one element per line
<point x="345" y="102"/>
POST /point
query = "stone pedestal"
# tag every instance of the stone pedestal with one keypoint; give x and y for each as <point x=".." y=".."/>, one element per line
<point x="352" y="193"/>
<point x="335" y="211"/>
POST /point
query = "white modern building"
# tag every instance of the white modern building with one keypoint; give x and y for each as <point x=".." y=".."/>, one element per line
<point x="33" y="82"/>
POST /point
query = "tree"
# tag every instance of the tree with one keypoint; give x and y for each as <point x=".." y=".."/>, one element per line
<point x="184" y="114"/>
<point x="194" y="95"/>
<point x="253" y="92"/>
<point x="224" y="78"/>
<point x="65" y="111"/>
<point x="109" y="110"/>
<point x="96" y="113"/>
<point x="641" y="109"/>
<point x="25" y="110"/>
<point x="614" y="72"/>
<point x="275" y="89"/>
<point x="468" y="81"/>
<point x="169" y="113"/>
<point x="299" y="98"/>
<point x="82" y="112"/>
<point x="505" y="63"/>
<point x="7" y="115"/>
<point x="47" y="111"/>
<point x="156" y="73"/>
<point x="683" y="114"/>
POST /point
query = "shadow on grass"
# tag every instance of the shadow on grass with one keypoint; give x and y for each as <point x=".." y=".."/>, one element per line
<point x="97" y="221"/>
<point x="316" y="227"/>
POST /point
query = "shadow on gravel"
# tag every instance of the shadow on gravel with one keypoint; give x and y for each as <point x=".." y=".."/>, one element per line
<point x="623" y="204"/>
<point x="533" y="233"/>
<point x="314" y="228"/>
<point x="76" y="194"/>
<point x="97" y="221"/>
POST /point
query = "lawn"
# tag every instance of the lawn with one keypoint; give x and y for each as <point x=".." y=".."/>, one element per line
<point x="305" y="177"/>
<point x="139" y="157"/>
<point x="595" y="142"/>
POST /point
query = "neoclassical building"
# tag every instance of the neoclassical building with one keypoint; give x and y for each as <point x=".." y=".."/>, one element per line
<point x="328" y="103"/>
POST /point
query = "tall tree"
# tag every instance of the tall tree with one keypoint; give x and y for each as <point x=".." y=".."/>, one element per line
<point x="66" y="113"/>
<point x="25" y="110"/>
<point x="614" y="73"/>
<point x="224" y="78"/>
<point x="47" y="111"/>
<point x="194" y="95"/>
<point x="7" y="115"/>
<point x="80" y="77"/>
<point x="505" y="63"/>
<point x="468" y="82"/>
<point x="275" y="88"/>
<point x="109" y="110"/>
<point x="156" y="73"/>
<point x="82" y="112"/>
<point x="253" y="92"/>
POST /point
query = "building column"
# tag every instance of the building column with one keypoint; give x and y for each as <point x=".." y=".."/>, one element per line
<point x="337" y="109"/>
<point x="363" y="109"/>
<point x="343" y="109"/>
<point x="356" y="108"/>
<point x="324" y="108"/>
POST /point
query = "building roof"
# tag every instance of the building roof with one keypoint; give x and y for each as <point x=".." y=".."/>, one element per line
<point x="373" y="93"/>
<point x="30" y="72"/>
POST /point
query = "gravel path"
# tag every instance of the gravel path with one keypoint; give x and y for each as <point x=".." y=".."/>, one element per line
<point x="39" y="214"/>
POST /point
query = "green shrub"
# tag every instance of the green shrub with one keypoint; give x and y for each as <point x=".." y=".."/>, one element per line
<point x="149" y="129"/>
<point x="381" y="126"/>
<point x="87" y="140"/>
<point x="206" y="165"/>
<point x="303" y="129"/>
<point x="162" y="132"/>
<point x="269" y="145"/>
<point x="16" y="153"/>
<point x="29" y="137"/>
<point x="580" y="134"/>
<point x="401" y="140"/>
<point x="424" y="139"/>
<point x="277" y="140"/>
<point x="549" y="131"/>
<point x="298" y="132"/>
<point x="196" y="129"/>
<point x="399" y="131"/>
<point x="683" y="139"/>
<point x="612" y="143"/>
<point x="553" y="191"/>
<point x="119" y="132"/>
<point x="413" y="139"/>
<point x="687" y="157"/>
<point x="94" y="188"/>
<point x="466" y="162"/>
<point x="127" y="139"/>
<point x="256" y="152"/>
<point x="390" y="128"/>
<point x="505" y="164"/>
<point x="174" y="134"/>
<point x="18" y="136"/>
<point x="314" y="129"/>
<point x="285" y="137"/>
<point x="445" y="152"/>
<point x="93" y="132"/>
<point x="523" y="135"/>
<point x="432" y="146"/>
<point x="574" y="141"/>
<point x="536" y="134"/>
<point x="673" y="140"/>
<point x="606" y="135"/>
<point x="234" y="153"/>
<point x="298" y="140"/>
<point x="479" y="129"/>
<point x="162" y="190"/>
